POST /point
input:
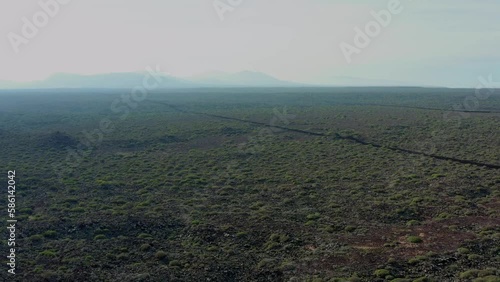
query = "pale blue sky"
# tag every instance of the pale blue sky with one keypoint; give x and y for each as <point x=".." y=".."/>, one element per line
<point x="442" y="43"/>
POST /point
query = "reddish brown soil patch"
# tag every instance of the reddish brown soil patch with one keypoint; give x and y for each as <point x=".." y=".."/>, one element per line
<point x="370" y="249"/>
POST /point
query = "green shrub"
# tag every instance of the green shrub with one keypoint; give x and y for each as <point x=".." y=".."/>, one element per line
<point x="122" y="256"/>
<point x="50" y="234"/>
<point x="274" y="237"/>
<point x="272" y="245"/>
<point x="100" y="237"/>
<point x="416" y="259"/>
<point x="287" y="266"/>
<point x="48" y="253"/>
<point x="77" y="209"/>
<point x="241" y="234"/>
<point x="36" y="238"/>
<point x="212" y="248"/>
<point x="175" y="263"/>
<point x="414" y="239"/>
<point x="486" y="272"/>
<point x="469" y="274"/>
<point x="350" y="228"/>
<point x="265" y="263"/>
<point x="381" y="273"/>
<point x="145" y="247"/>
<point x="443" y="215"/>
<point x="313" y="216"/>
<point x="490" y="278"/>
<point x="473" y="257"/>
<point x="160" y="255"/>
<point x="413" y="223"/>
<point x="144" y="236"/>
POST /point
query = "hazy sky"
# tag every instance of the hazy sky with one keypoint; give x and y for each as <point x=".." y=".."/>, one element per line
<point x="446" y="42"/>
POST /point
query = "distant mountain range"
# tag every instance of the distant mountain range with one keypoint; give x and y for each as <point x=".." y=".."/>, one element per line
<point x="127" y="80"/>
<point x="347" y="81"/>
<point x="133" y="79"/>
<point x="244" y="78"/>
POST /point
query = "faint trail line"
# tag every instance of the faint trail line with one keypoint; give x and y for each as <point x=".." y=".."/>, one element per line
<point x="241" y="120"/>
<point x="420" y="108"/>
<point x="336" y="136"/>
<point x="493" y="166"/>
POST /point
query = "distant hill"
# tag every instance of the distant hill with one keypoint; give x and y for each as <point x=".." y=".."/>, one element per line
<point x="347" y="81"/>
<point x="111" y="80"/>
<point x="244" y="78"/>
<point x="132" y="79"/>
